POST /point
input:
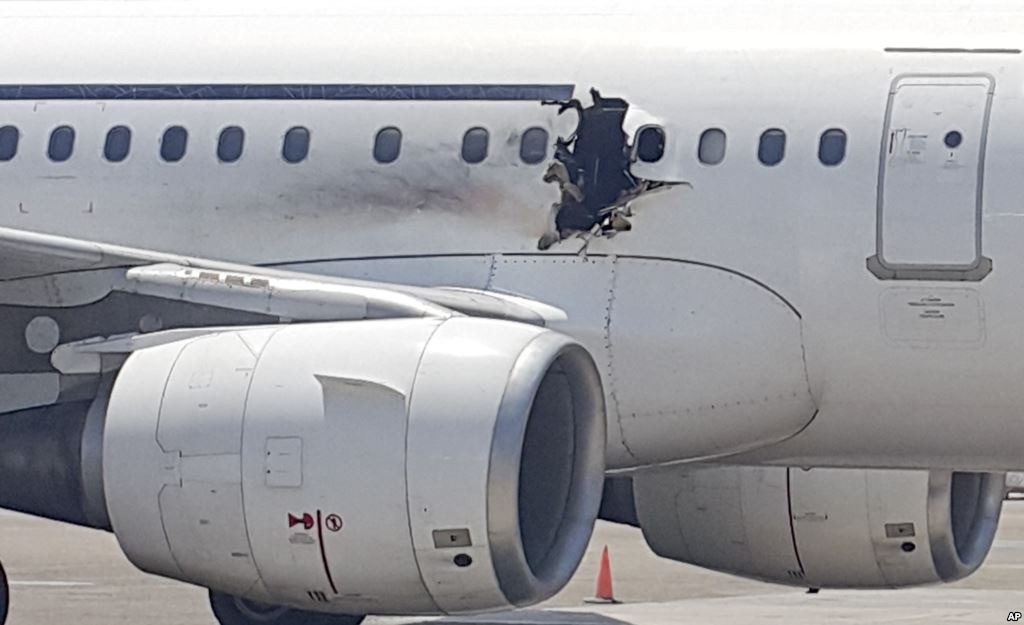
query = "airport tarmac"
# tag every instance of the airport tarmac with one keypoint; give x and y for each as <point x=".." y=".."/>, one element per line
<point x="67" y="575"/>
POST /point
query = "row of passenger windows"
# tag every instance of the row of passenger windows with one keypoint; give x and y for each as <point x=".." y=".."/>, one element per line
<point x="771" y="148"/>
<point x="173" y="144"/>
<point x="387" y="145"/>
<point x="533" y="147"/>
<point x="294" y="149"/>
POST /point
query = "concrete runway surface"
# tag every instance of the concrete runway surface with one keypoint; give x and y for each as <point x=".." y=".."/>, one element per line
<point x="65" y="575"/>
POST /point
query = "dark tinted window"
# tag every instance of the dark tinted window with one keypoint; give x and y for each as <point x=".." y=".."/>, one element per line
<point x="118" y="144"/>
<point x="387" y="145"/>
<point x="62" y="143"/>
<point x="296" y="145"/>
<point x="9" y="136"/>
<point x="474" y="145"/>
<point x="173" y="144"/>
<point x="650" y="145"/>
<point x="772" y="148"/>
<point x="832" y="147"/>
<point x="711" y="150"/>
<point x="534" y="147"/>
<point x="229" y="146"/>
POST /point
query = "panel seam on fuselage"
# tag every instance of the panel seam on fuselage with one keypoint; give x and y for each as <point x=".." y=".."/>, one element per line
<point x="609" y="306"/>
<point x="669" y="259"/>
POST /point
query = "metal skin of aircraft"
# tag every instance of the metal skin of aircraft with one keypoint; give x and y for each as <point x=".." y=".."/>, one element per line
<point x="348" y="310"/>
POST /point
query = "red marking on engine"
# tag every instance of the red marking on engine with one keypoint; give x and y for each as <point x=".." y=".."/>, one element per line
<point x="306" y="521"/>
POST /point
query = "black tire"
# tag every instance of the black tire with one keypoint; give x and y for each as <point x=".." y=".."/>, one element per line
<point x="231" y="610"/>
<point x="5" y="596"/>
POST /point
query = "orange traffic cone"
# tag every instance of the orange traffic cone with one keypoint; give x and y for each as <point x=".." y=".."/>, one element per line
<point x="603" y="593"/>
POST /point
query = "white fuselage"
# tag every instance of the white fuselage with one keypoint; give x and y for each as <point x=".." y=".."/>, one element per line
<point x="738" y="316"/>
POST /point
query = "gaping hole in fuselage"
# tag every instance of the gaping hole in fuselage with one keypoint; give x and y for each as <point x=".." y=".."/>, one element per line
<point x="592" y="170"/>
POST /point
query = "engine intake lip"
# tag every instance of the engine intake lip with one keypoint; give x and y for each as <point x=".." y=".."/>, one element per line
<point x="533" y="569"/>
<point x="963" y="515"/>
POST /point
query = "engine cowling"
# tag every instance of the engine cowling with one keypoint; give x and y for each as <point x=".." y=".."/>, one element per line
<point x="821" y="528"/>
<point x="400" y="466"/>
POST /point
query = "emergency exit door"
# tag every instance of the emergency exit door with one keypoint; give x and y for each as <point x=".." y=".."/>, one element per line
<point x="930" y="179"/>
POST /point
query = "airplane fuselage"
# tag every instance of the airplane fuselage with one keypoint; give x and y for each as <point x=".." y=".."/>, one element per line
<point x="839" y="286"/>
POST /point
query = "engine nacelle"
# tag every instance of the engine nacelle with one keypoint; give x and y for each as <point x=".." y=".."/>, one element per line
<point x="399" y="466"/>
<point x="821" y="528"/>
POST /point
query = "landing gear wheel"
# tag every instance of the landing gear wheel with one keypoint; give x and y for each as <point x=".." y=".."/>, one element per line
<point x="231" y="610"/>
<point x="5" y="595"/>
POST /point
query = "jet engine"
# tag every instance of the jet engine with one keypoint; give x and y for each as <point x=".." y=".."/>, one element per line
<point x="821" y="528"/>
<point x="414" y="466"/>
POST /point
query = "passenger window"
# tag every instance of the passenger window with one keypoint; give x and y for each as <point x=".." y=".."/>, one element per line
<point x="296" y="145"/>
<point x="711" y="149"/>
<point x="650" y="145"/>
<point x="474" y="145"/>
<point x="9" y="136"/>
<point x="772" y="148"/>
<point x="388" y="145"/>
<point x="62" y="144"/>
<point x="832" y="147"/>
<point x="173" y="144"/>
<point x="229" y="145"/>
<point x="118" y="144"/>
<point x="534" y="146"/>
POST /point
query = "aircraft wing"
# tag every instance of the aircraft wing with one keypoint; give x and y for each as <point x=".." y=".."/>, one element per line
<point x="29" y="254"/>
<point x="292" y="295"/>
